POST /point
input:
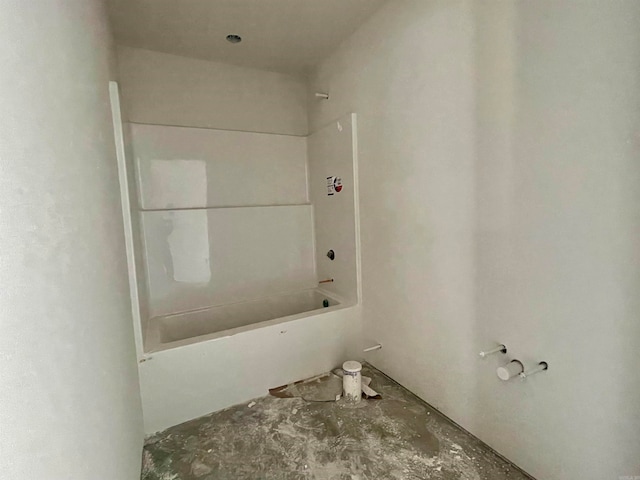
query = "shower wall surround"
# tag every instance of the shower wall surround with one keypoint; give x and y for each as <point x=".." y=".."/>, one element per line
<point x="333" y="189"/>
<point x="205" y="257"/>
<point x="225" y="216"/>
<point x="199" y="167"/>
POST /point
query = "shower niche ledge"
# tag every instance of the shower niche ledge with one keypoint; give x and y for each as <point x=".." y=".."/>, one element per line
<point x="169" y="209"/>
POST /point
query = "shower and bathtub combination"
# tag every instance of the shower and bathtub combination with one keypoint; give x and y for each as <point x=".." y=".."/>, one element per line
<point x="244" y="260"/>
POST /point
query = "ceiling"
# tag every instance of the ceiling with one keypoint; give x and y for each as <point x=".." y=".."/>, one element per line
<point x="288" y="36"/>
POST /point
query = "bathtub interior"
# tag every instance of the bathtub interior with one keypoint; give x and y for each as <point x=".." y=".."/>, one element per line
<point x="180" y="329"/>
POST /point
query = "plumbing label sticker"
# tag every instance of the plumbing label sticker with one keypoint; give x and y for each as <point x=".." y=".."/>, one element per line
<point x="334" y="185"/>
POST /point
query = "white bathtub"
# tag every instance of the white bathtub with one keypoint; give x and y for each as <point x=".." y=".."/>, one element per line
<point x="206" y="360"/>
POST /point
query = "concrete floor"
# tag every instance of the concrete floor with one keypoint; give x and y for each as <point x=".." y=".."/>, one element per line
<point x="398" y="437"/>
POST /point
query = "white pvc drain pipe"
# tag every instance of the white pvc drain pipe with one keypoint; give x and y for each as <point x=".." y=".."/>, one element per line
<point x="352" y="381"/>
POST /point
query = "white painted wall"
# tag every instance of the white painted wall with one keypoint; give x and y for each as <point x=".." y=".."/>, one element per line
<point x="500" y="186"/>
<point x="332" y="154"/>
<point x="69" y="401"/>
<point x="197" y="167"/>
<point x="416" y="145"/>
<point x="558" y="196"/>
<point x="165" y="89"/>
<point x="197" y="258"/>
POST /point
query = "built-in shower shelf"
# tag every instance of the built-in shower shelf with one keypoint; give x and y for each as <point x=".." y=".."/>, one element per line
<point x="224" y="207"/>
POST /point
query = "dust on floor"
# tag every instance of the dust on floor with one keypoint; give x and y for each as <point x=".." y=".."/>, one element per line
<point x="397" y="437"/>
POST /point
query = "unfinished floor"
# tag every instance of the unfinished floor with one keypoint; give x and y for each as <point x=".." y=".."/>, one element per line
<point x="397" y="437"/>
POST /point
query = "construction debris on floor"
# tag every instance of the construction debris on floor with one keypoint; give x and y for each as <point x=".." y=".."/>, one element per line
<point x="311" y="436"/>
<point x="323" y="388"/>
